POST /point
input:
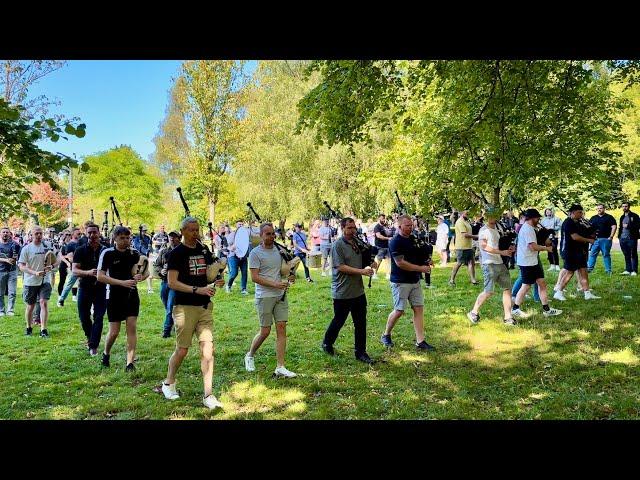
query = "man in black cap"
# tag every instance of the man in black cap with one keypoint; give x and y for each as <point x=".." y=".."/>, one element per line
<point x="573" y="250"/>
<point x="530" y="266"/>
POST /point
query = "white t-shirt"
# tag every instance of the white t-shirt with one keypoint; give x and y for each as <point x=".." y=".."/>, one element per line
<point x="492" y="237"/>
<point x="33" y="256"/>
<point x="526" y="256"/>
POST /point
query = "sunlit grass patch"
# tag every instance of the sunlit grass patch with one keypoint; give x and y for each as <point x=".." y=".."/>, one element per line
<point x="624" y="356"/>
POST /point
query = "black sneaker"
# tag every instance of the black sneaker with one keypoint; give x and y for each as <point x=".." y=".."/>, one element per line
<point x="363" y="357"/>
<point x="166" y="334"/>
<point x="105" y="360"/>
<point x="44" y="333"/>
<point x="328" y="349"/>
<point x="510" y="321"/>
<point x="473" y="317"/>
<point x="28" y="331"/>
<point x="424" y="346"/>
<point x="130" y="368"/>
<point x="386" y="340"/>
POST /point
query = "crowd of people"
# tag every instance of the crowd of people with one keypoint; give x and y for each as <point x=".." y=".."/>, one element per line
<point x="107" y="272"/>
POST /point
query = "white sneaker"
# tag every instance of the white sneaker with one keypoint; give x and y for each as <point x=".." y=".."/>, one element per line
<point x="249" y="364"/>
<point x="388" y="276"/>
<point x="558" y="295"/>
<point x="552" y="312"/>
<point x="518" y="313"/>
<point x="75" y="298"/>
<point x="227" y="288"/>
<point x="323" y="274"/>
<point x="552" y="268"/>
<point x="10" y="314"/>
<point x="625" y="273"/>
<point x="633" y="274"/>
<point x="244" y="292"/>
<point x="169" y="391"/>
<point x="588" y="295"/>
<point x="1" y="314"/>
<point x="211" y="402"/>
<point x="283" y="372"/>
<point x="149" y="291"/>
<point x="558" y="268"/>
<point x="374" y="276"/>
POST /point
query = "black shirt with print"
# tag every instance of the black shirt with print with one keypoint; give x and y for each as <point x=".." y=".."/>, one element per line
<point x="118" y="265"/>
<point x="88" y="259"/>
<point x="191" y="264"/>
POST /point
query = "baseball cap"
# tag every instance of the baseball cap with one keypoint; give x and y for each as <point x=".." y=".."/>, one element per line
<point x="173" y="233"/>
<point x="532" y="213"/>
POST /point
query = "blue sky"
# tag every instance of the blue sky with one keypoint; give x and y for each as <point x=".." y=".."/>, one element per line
<point x="120" y="101"/>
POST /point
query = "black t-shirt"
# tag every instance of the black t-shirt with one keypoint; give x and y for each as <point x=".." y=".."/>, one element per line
<point x="603" y="224"/>
<point x="569" y="246"/>
<point x="88" y="259"/>
<point x="191" y="264"/>
<point x="378" y="242"/>
<point x="118" y="265"/>
<point x="82" y="241"/>
<point x="400" y="245"/>
<point x="70" y="247"/>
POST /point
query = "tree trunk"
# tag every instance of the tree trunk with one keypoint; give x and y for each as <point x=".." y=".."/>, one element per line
<point x="281" y="223"/>
<point x="496" y="196"/>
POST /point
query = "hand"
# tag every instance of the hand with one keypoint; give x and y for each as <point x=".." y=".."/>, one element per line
<point x="592" y="241"/>
<point x="506" y="253"/>
<point x="611" y="239"/>
<point x="41" y="273"/>
<point x="206" y="291"/>
<point x="367" y="271"/>
<point x="283" y="285"/>
<point x="219" y="283"/>
<point x="549" y="249"/>
<point x="137" y="277"/>
<point x="426" y="269"/>
<point x="129" y="283"/>
<point x="11" y="261"/>
<point x="374" y="265"/>
<point x="94" y="272"/>
<point x="291" y="279"/>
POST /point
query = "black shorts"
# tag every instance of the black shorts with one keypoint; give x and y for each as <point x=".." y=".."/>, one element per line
<point x="531" y="274"/>
<point x="120" y="307"/>
<point x="574" y="262"/>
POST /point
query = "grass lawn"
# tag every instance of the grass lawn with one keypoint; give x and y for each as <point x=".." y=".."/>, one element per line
<point x="580" y="365"/>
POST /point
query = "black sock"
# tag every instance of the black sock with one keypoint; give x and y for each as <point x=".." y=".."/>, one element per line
<point x="545" y="308"/>
<point x="516" y="307"/>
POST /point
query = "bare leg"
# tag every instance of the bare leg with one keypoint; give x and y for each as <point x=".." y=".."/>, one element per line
<point x="542" y="291"/>
<point x="506" y="303"/>
<point x="260" y="337"/>
<point x="483" y="297"/>
<point x="418" y="323"/>
<point x="206" y="365"/>
<point x="454" y="272"/>
<point x="471" y="266"/>
<point x="521" y="293"/>
<point x="132" y="339"/>
<point x="44" y="314"/>
<point x="28" y="313"/>
<point x="174" y="363"/>
<point x="391" y="320"/>
<point x="112" y="335"/>
<point x="281" y="342"/>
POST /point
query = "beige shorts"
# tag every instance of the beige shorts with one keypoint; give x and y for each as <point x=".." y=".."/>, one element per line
<point x="190" y="319"/>
<point x="270" y="309"/>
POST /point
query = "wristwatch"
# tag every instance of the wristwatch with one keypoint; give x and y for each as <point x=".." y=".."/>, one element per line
<point x="194" y="289"/>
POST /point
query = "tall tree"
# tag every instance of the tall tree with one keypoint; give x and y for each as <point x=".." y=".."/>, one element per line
<point x="49" y="203"/>
<point x="121" y="173"/>
<point x="213" y="107"/>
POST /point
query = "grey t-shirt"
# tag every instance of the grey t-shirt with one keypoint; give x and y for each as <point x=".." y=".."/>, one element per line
<point x="626" y="233"/>
<point x="325" y="235"/>
<point x="33" y="257"/>
<point x="268" y="262"/>
<point x="345" y="286"/>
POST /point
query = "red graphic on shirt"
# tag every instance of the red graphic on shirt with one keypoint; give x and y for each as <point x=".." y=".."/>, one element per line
<point x="197" y="266"/>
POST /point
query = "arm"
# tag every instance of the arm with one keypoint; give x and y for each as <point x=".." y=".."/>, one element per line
<point x="382" y="237"/>
<point x="265" y="282"/>
<point x="24" y="268"/>
<point x="410" y="267"/>
<point x="353" y="271"/>
<point x="580" y="238"/>
<point x="75" y="269"/>
<point x="614" y="227"/>
<point x="174" y="284"/>
<point x="104" y="278"/>
<point x="484" y="246"/>
<point x="539" y="248"/>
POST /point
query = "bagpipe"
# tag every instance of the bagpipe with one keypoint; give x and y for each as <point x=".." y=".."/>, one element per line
<point x="290" y="262"/>
<point x="544" y="236"/>
<point x="216" y="268"/>
<point x="507" y="234"/>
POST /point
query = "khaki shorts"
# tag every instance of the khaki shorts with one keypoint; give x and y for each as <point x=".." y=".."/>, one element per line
<point x="495" y="274"/>
<point x="404" y="293"/>
<point x="190" y="319"/>
<point x="270" y="309"/>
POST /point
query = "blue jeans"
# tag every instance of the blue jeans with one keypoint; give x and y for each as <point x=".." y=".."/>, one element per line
<point x="71" y="281"/>
<point x="604" y="245"/>
<point x="630" y="250"/>
<point x="234" y="263"/>
<point x="303" y="260"/>
<point x="9" y="279"/>
<point x="97" y="298"/>
<point x="518" y="283"/>
<point x="168" y="297"/>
